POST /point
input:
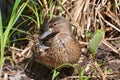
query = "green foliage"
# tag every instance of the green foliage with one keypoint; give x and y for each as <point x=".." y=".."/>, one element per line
<point x="81" y="75"/>
<point x="65" y="64"/>
<point x="93" y="45"/>
<point x="1" y="43"/>
<point x="89" y="34"/>
<point x="39" y="8"/>
<point x="108" y="71"/>
<point x="4" y="36"/>
<point x="56" y="73"/>
<point x="51" y="8"/>
<point x="38" y="15"/>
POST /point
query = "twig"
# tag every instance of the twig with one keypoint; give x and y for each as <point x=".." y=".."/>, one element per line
<point x="101" y="72"/>
<point x="110" y="46"/>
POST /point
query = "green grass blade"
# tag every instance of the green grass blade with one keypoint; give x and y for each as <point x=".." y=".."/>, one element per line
<point x="63" y="65"/>
<point x="1" y="27"/>
<point x="93" y="45"/>
<point x="17" y="2"/>
<point x="1" y="43"/>
<point x="20" y="10"/>
<point x="17" y="27"/>
<point x="35" y="11"/>
<point x="51" y="1"/>
<point x="31" y="18"/>
<point x="55" y="74"/>
<point x="4" y="36"/>
<point x="13" y="19"/>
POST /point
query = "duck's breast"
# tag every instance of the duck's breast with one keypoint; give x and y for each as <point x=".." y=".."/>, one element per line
<point x="65" y="48"/>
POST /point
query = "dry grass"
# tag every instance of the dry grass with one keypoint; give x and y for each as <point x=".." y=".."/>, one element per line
<point x="87" y="16"/>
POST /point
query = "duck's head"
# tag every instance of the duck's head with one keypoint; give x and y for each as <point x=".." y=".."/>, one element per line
<point x="57" y="25"/>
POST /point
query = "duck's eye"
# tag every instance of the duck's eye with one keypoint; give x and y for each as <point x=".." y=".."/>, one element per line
<point x="54" y="24"/>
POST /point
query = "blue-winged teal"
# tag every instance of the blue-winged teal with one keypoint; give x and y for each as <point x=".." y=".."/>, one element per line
<point x="64" y="48"/>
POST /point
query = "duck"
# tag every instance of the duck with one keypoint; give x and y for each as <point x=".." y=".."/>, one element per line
<point x="63" y="48"/>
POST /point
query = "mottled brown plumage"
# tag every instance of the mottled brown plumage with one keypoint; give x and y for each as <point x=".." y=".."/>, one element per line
<point x="64" y="48"/>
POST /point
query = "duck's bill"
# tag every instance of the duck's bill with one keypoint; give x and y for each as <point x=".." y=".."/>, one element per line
<point x="45" y="34"/>
<point x="43" y="46"/>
